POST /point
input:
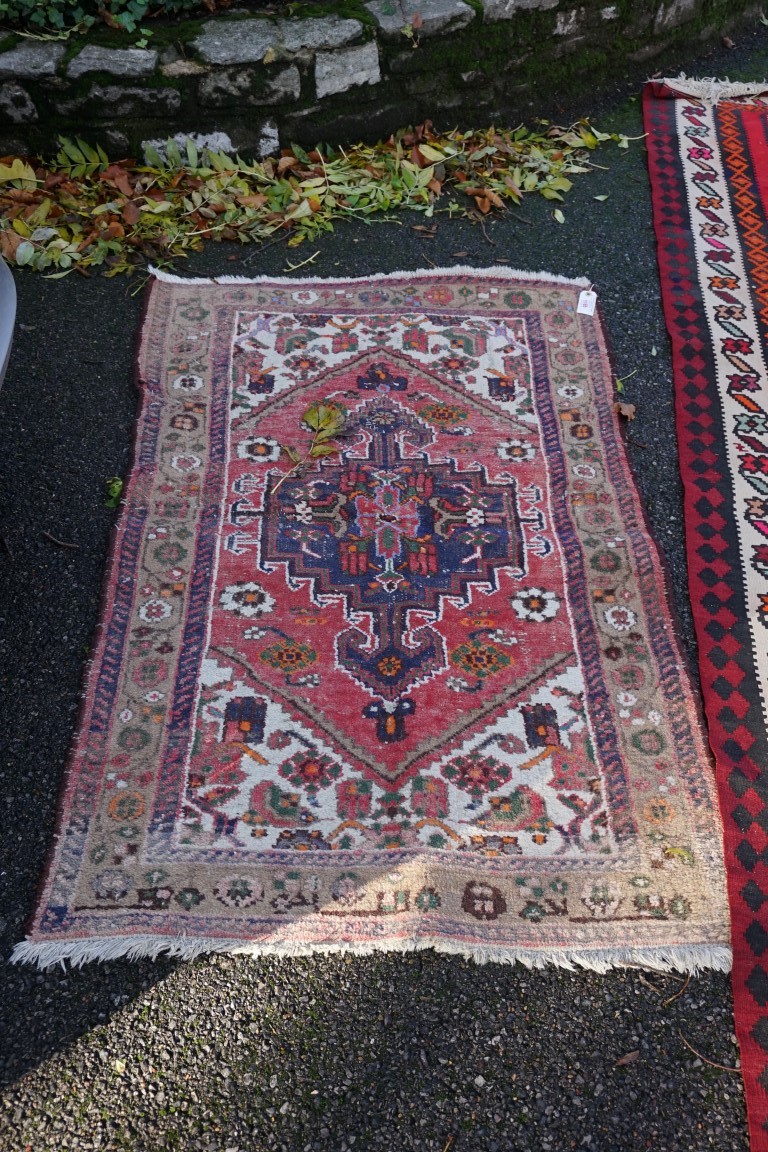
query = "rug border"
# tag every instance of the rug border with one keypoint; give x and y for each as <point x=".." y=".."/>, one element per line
<point x="89" y="667"/>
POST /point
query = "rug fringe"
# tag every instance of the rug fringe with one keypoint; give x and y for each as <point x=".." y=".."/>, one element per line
<point x="711" y="90"/>
<point x="691" y="958"/>
<point x="495" y="273"/>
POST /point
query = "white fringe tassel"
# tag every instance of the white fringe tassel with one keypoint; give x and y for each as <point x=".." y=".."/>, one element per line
<point x="711" y="90"/>
<point x="496" y="273"/>
<point x="675" y="958"/>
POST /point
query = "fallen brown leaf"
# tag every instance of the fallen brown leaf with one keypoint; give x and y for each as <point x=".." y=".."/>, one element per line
<point x="52" y="180"/>
<point x="119" y="177"/>
<point x="131" y="213"/>
<point x="22" y="195"/>
<point x="9" y="242"/>
<point x="258" y="200"/>
<point x="418" y="158"/>
<point x="626" y="410"/>
<point x="627" y="1058"/>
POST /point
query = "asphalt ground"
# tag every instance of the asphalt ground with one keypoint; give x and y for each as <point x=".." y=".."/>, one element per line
<point x="416" y="1051"/>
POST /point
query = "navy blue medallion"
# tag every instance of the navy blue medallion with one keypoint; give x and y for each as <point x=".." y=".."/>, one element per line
<point x="393" y="532"/>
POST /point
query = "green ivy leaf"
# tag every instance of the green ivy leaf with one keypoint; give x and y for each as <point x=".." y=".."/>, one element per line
<point x="114" y="491"/>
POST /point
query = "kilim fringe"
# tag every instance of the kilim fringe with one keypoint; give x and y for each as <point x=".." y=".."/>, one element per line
<point x="711" y="90"/>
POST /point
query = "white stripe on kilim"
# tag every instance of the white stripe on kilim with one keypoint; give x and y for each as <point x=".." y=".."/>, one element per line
<point x="747" y="535"/>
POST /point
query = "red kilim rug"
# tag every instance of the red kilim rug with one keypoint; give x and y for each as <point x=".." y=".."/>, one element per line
<point x="386" y="660"/>
<point x="708" y="148"/>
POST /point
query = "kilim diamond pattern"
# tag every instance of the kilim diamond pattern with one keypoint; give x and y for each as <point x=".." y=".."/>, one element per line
<point x="707" y="166"/>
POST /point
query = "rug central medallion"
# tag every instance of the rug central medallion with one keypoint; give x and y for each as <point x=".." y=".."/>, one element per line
<point x="394" y="533"/>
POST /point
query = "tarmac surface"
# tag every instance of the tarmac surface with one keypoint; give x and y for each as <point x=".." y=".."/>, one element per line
<point x="416" y="1051"/>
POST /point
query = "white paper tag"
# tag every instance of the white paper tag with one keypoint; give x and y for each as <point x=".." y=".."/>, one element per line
<point x="587" y="302"/>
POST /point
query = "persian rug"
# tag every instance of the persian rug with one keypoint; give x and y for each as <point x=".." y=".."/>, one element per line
<point x="708" y="156"/>
<point x="386" y="660"/>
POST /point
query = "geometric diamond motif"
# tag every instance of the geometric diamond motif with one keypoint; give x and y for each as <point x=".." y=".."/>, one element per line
<point x="742" y="818"/>
<point x="747" y="855"/>
<point x="757" y="938"/>
<point x="757" y="983"/>
<point x="753" y="896"/>
<point x="714" y="303"/>
<point x="722" y="687"/>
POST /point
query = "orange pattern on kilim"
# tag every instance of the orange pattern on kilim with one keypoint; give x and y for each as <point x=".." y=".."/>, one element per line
<point x="746" y="203"/>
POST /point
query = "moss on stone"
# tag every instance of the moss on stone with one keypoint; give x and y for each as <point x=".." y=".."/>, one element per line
<point x="346" y="9"/>
<point x="80" y="87"/>
<point x="163" y="32"/>
<point x="483" y="47"/>
<point x="73" y="48"/>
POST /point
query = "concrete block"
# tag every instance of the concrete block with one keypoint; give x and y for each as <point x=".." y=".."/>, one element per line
<point x="16" y="103"/>
<point x="346" y="68"/>
<point x="125" y="62"/>
<point x="29" y="61"/>
<point x="674" y="13"/>
<point x="248" y="41"/>
<point x="567" y="23"/>
<point x="506" y="9"/>
<point x="315" y="34"/>
<point x="247" y="87"/>
<point x="108" y="101"/>
<point x="436" y="15"/>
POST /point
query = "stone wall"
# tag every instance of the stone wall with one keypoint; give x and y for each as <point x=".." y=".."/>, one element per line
<point x="337" y="71"/>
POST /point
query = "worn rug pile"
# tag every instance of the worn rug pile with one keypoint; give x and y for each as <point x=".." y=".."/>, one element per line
<point x="386" y="659"/>
<point x="708" y="153"/>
